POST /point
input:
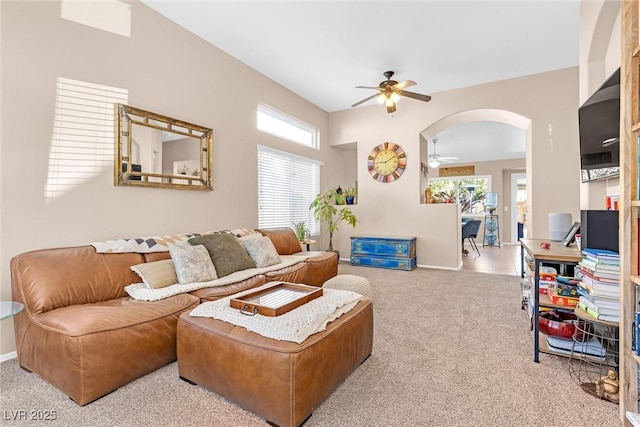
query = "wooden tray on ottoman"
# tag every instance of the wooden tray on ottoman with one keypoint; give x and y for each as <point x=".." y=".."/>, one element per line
<point x="276" y="300"/>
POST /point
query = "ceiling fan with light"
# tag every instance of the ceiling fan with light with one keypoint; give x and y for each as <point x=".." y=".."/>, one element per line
<point x="435" y="159"/>
<point x="389" y="92"/>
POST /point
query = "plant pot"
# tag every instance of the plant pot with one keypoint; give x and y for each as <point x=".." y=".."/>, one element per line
<point x="349" y="199"/>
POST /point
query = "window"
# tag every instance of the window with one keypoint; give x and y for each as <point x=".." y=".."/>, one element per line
<point x="469" y="192"/>
<point x="284" y="126"/>
<point x="107" y="15"/>
<point x="287" y="184"/>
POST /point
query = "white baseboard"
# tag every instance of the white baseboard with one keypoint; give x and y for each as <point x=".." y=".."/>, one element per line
<point x="435" y="267"/>
<point x="8" y="356"/>
<point x="439" y="267"/>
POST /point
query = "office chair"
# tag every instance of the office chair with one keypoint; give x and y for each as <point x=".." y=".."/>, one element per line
<point x="470" y="232"/>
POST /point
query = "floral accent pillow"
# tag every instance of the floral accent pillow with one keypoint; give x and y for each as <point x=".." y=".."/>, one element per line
<point x="262" y="251"/>
<point x="192" y="264"/>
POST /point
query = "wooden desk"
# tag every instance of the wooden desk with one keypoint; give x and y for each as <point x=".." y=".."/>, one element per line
<point x="556" y="254"/>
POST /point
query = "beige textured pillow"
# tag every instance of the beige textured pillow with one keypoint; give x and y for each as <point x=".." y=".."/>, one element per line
<point x="192" y="263"/>
<point x="157" y="274"/>
<point x="262" y="251"/>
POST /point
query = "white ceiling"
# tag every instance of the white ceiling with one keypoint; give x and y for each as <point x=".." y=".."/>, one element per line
<point x="321" y="50"/>
<point x="480" y="141"/>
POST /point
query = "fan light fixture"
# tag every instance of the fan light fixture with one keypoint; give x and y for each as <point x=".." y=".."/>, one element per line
<point x="435" y="160"/>
<point x="390" y="92"/>
<point x="386" y="98"/>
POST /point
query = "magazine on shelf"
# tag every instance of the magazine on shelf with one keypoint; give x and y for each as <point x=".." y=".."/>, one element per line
<point x="612" y="302"/>
<point x="600" y="280"/>
<point x="603" y="317"/>
<point x="592" y="347"/>
<point x="603" y="276"/>
<point x="602" y="262"/>
<point x="595" y="265"/>
<point x="611" y="288"/>
<point x="596" y="293"/>
<point x="587" y="305"/>
<point x="600" y="254"/>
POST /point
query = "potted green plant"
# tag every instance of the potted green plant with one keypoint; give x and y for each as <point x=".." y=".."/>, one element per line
<point x="324" y="210"/>
<point x="301" y="230"/>
<point x="350" y="195"/>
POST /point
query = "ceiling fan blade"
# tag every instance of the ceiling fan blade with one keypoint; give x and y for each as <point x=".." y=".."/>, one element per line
<point x="425" y="98"/>
<point x="448" y="158"/>
<point x="365" y="100"/>
<point x="404" y="84"/>
<point x="368" y="87"/>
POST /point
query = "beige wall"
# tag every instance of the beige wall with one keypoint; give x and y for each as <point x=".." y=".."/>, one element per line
<point x="549" y="100"/>
<point x="349" y="165"/>
<point x="172" y="72"/>
<point x="599" y="56"/>
<point x="166" y="70"/>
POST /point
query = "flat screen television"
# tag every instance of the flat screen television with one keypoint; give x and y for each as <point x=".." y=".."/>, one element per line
<point x="599" y="126"/>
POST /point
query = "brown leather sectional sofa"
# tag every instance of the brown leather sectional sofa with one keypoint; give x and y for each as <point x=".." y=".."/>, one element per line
<point x="81" y="332"/>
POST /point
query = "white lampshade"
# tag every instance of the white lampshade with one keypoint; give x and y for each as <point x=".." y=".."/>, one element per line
<point x="434" y="163"/>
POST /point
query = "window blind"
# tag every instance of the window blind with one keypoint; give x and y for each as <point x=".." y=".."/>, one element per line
<point x="287" y="184"/>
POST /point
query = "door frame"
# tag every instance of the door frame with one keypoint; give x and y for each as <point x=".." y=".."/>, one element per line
<point x="514" y="204"/>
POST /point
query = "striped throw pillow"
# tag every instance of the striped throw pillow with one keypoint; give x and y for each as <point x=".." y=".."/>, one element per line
<point x="157" y="274"/>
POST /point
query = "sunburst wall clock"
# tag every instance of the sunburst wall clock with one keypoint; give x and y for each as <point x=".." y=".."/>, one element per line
<point x="387" y="162"/>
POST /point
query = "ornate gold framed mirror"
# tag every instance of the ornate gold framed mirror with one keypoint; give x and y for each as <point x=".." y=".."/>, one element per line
<point x="153" y="150"/>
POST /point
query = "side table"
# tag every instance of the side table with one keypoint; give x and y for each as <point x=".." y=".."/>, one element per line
<point x="307" y="242"/>
<point x="9" y="309"/>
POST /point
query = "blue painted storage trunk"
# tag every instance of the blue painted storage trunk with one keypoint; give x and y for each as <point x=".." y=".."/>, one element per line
<point x="394" y="252"/>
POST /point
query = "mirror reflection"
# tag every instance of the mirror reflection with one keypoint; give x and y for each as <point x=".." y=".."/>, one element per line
<point x="157" y="151"/>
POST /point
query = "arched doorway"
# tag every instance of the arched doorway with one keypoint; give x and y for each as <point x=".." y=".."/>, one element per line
<point x="499" y="172"/>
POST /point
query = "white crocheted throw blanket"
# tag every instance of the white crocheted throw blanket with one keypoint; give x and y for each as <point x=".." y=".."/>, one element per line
<point x="141" y="291"/>
<point x="296" y="325"/>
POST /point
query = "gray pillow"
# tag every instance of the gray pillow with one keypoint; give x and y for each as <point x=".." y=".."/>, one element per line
<point x="262" y="251"/>
<point x="192" y="264"/>
<point x="226" y="252"/>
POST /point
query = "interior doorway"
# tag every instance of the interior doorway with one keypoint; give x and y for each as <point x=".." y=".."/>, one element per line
<point x="518" y="206"/>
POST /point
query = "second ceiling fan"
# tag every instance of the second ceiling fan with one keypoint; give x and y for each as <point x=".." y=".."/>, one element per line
<point x="389" y="91"/>
<point x="435" y="159"/>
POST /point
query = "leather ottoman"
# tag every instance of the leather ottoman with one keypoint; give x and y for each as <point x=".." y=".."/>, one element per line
<point x="281" y="381"/>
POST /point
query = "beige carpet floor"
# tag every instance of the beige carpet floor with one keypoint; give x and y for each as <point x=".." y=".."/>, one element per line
<point x="450" y="349"/>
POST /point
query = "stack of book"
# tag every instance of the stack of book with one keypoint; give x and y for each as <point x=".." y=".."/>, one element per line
<point x="599" y="287"/>
<point x="547" y="279"/>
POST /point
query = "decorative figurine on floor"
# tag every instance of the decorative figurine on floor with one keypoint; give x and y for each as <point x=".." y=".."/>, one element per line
<point x="607" y="387"/>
